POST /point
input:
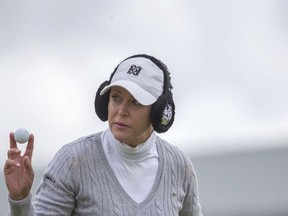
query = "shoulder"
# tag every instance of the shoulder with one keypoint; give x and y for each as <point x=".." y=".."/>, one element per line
<point x="176" y="158"/>
<point x="83" y="142"/>
<point x="172" y="150"/>
<point x="75" y="156"/>
<point x="79" y="147"/>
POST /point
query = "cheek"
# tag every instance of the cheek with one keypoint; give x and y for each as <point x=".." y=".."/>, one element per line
<point x="144" y="117"/>
<point x="111" y="111"/>
<point x="148" y="117"/>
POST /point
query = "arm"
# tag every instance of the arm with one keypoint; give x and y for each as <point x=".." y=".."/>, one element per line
<point x="57" y="191"/>
<point x="19" y="175"/>
<point x="191" y="204"/>
<point x="55" y="195"/>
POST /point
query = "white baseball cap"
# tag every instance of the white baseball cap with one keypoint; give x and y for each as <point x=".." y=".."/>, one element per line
<point x="141" y="77"/>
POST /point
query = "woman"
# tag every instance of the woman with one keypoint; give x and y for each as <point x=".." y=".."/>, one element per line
<point x="124" y="170"/>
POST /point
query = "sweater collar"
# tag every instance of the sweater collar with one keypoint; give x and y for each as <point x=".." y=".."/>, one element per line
<point x="148" y="148"/>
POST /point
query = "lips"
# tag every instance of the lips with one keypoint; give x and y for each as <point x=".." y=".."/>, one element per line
<point x="120" y="124"/>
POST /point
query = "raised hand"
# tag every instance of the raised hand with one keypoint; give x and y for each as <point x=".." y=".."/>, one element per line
<point x="18" y="171"/>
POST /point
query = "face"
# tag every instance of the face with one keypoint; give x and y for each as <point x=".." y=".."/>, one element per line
<point x="129" y="121"/>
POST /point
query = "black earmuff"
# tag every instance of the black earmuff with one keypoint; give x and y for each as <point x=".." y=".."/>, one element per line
<point x="162" y="111"/>
<point x="101" y="102"/>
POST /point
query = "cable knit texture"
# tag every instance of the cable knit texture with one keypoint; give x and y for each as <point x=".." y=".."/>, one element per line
<point x="79" y="181"/>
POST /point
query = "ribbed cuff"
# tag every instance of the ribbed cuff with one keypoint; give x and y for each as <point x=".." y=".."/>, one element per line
<point x="21" y="207"/>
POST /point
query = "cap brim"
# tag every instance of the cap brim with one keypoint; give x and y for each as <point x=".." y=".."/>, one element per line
<point x="141" y="95"/>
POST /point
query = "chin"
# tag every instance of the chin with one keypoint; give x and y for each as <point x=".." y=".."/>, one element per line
<point x="118" y="135"/>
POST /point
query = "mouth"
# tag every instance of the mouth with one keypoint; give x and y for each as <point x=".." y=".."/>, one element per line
<point x="120" y="125"/>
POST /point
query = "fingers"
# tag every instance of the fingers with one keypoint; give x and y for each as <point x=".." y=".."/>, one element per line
<point x="11" y="163"/>
<point x="30" y="146"/>
<point x="13" y="143"/>
<point x="28" y="165"/>
<point x="13" y="153"/>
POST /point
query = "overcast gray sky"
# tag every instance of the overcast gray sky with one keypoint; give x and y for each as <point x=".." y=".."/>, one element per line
<point x="228" y="61"/>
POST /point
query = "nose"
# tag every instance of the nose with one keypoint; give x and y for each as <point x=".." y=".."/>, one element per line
<point x="123" y="109"/>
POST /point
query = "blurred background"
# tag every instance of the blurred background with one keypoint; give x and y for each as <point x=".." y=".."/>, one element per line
<point x="228" y="61"/>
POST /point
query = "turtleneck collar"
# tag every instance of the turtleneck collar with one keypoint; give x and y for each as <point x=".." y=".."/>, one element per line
<point x="142" y="151"/>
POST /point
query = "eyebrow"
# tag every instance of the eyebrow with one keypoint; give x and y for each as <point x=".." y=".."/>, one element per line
<point x="116" y="90"/>
<point x="120" y="92"/>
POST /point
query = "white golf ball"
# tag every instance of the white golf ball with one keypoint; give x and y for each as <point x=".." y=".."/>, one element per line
<point x="21" y="135"/>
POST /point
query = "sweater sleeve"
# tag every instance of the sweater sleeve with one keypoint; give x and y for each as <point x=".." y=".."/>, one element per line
<point x="21" y="208"/>
<point x="57" y="191"/>
<point x="191" y="204"/>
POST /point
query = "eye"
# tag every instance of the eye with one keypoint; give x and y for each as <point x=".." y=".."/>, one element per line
<point x="135" y="102"/>
<point x="115" y="97"/>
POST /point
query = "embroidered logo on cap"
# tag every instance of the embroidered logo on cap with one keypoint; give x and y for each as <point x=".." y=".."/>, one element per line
<point x="135" y="70"/>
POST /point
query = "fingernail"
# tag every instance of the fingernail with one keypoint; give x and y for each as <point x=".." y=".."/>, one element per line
<point x="18" y="165"/>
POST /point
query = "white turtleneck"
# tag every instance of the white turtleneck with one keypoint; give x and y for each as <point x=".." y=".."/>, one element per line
<point x="135" y="168"/>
